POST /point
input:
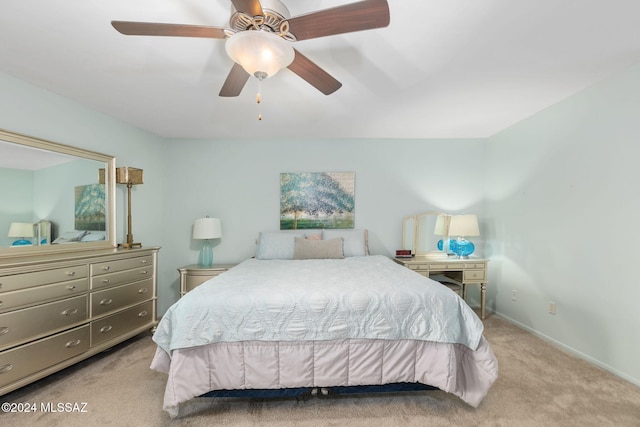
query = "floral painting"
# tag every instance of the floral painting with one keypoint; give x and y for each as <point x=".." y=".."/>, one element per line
<point x="317" y="200"/>
<point x="90" y="208"/>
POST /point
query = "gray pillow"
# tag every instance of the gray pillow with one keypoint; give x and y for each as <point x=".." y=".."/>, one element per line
<point x="318" y="249"/>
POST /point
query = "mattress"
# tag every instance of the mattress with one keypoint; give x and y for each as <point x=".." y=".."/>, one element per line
<point x="287" y="324"/>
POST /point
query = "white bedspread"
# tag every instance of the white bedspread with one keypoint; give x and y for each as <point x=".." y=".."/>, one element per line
<point x="309" y="300"/>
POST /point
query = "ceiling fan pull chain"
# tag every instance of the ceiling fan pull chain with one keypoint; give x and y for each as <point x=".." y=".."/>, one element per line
<point x="259" y="98"/>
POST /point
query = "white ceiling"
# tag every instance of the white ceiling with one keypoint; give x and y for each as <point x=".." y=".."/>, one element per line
<point x="442" y="69"/>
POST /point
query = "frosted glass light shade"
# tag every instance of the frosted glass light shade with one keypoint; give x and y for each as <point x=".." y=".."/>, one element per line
<point x="259" y="52"/>
<point x="207" y="228"/>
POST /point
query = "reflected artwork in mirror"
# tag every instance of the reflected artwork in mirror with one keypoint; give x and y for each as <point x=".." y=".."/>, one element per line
<point x="56" y="189"/>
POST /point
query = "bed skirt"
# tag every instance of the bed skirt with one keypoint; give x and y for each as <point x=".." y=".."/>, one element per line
<point x="453" y="368"/>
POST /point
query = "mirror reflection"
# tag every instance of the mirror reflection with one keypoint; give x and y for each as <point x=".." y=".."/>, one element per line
<point x="51" y="196"/>
<point x="421" y="233"/>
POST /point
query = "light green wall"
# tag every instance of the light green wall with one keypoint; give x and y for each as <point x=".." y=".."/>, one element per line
<point x="16" y="200"/>
<point x="560" y="211"/>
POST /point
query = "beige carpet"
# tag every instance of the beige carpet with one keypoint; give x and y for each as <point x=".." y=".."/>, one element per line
<point x="538" y="385"/>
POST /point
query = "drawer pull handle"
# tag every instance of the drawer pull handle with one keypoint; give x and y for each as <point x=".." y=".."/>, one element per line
<point x="143" y="272"/>
<point x="71" y="273"/>
<point x="105" y="280"/>
<point x="106" y="301"/>
<point x="142" y="290"/>
<point x="142" y="313"/>
<point x="0" y="303"/>
<point x="5" y="368"/>
<point x="70" y="311"/>
<point x="106" y="268"/>
<point x="72" y="343"/>
<point x="71" y="287"/>
<point x="4" y="330"/>
<point x="105" y="329"/>
<point x="144" y="261"/>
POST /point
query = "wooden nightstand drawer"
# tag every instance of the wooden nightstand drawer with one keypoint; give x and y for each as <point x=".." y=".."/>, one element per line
<point x="418" y="266"/>
<point x="474" y="275"/>
<point x="193" y="276"/>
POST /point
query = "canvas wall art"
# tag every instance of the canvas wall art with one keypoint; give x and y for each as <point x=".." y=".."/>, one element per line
<point x="317" y="200"/>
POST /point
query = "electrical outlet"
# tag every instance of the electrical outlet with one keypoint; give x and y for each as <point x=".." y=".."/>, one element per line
<point x="552" y="307"/>
<point x="514" y="295"/>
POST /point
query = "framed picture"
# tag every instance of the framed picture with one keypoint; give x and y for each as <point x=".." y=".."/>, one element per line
<point x="317" y="200"/>
<point x="90" y="207"/>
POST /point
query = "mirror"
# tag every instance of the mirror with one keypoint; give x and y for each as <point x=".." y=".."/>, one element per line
<point x="51" y="198"/>
<point x="421" y="233"/>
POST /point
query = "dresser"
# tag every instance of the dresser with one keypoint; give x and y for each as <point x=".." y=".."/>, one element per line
<point x="195" y="275"/>
<point x="463" y="272"/>
<point x="59" y="309"/>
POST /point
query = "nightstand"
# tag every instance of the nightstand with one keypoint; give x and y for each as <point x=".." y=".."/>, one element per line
<point x="195" y="275"/>
<point x="471" y="271"/>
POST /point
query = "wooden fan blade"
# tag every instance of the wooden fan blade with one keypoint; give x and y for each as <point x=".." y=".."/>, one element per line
<point x="250" y="7"/>
<point x="176" y="30"/>
<point x="313" y="74"/>
<point x="235" y="81"/>
<point x="363" y="15"/>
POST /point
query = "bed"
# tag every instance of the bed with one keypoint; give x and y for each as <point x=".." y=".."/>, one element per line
<point x="321" y="314"/>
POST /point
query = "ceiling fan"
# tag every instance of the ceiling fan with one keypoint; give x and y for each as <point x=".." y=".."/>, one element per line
<point x="261" y="33"/>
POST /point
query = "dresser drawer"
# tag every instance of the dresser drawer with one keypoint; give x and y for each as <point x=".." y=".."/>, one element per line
<point x="474" y="265"/>
<point x="118" y="324"/>
<point x="28" y="359"/>
<point x="28" y="280"/>
<point x="474" y="275"/>
<point x="20" y="326"/>
<point x="121" y="265"/>
<point x="30" y="296"/>
<point x="103" y="302"/>
<point x="127" y="276"/>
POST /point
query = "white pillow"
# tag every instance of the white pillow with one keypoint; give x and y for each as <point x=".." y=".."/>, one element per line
<point x="276" y="245"/>
<point x="355" y="241"/>
<point x="318" y="249"/>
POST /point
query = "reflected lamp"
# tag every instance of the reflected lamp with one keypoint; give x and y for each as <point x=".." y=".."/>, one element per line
<point x="23" y="231"/>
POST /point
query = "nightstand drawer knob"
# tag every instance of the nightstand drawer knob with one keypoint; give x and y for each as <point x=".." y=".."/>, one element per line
<point x="142" y="313"/>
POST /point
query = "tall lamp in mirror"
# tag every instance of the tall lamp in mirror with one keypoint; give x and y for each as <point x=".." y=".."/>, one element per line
<point x="463" y="226"/>
<point x="23" y="231"/>
<point x="206" y="229"/>
<point x="130" y="177"/>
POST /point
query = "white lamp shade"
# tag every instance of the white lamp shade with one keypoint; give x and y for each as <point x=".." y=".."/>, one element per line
<point x="464" y="225"/>
<point x="207" y="228"/>
<point x="21" y="229"/>
<point x="259" y="52"/>
<point x="442" y="223"/>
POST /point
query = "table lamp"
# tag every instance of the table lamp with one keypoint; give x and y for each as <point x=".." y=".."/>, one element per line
<point x="463" y="226"/>
<point x="206" y="229"/>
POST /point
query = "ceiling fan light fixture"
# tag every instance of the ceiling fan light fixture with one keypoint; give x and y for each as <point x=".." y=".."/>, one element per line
<point x="262" y="54"/>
